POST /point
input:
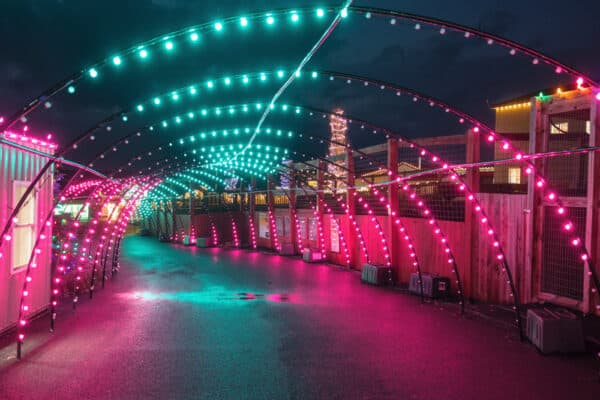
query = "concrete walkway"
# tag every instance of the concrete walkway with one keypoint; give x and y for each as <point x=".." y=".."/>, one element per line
<point x="185" y="323"/>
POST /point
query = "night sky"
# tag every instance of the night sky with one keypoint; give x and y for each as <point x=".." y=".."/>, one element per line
<point x="46" y="41"/>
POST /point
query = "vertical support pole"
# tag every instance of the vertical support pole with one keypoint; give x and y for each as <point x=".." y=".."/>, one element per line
<point x="320" y="204"/>
<point x="533" y="250"/>
<point x="166" y="220"/>
<point x="252" y="207"/>
<point x="158" y="230"/>
<point x="471" y="273"/>
<point x="191" y="209"/>
<point x="292" y="209"/>
<point x="271" y="211"/>
<point x="392" y="233"/>
<point x="174" y="218"/>
<point x="350" y="203"/>
<point x="592" y="213"/>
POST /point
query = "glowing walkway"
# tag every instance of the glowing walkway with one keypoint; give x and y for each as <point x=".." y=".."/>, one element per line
<point x="182" y="323"/>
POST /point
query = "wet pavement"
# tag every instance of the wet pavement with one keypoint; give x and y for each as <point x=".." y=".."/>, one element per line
<point x="186" y="323"/>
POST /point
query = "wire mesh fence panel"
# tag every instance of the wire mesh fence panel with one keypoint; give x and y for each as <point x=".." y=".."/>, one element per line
<point x="372" y="203"/>
<point x="439" y="194"/>
<point x="450" y="153"/>
<point x="303" y="201"/>
<point x="333" y="204"/>
<point x="366" y="164"/>
<point x="562" y="269"/>
<point x="568" y="131"/>
<point x="506" y="177"/>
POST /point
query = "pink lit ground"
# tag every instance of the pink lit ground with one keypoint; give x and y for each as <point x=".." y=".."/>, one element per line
<point x="182" y="323"/>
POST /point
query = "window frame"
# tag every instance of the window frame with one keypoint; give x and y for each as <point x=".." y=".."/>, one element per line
<point x="14" y="268"/>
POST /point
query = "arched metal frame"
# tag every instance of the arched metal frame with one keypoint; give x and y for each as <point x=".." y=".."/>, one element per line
<point x="367" y="11"/>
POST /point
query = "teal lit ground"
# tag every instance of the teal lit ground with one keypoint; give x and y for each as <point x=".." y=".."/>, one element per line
<point x="186" y="323"/>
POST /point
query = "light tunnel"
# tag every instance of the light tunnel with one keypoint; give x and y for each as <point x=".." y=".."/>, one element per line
<point x="195" y="152"/>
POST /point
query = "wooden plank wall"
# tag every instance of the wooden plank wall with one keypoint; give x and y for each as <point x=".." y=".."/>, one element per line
<point x="483" y="280"/>
<point x="431" y="255"/>
<point x="506" y="212"/>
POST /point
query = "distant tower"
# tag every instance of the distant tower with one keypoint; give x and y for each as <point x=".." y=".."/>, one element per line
<point x="339" y="128"/>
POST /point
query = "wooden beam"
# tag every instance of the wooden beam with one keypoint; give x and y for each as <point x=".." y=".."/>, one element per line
<point x="532" y="263"/>
<point x="592" y="212"/>
<point x="471" y="269"/>
<point x="393" y="233"/>
<point x="353" y="246"/>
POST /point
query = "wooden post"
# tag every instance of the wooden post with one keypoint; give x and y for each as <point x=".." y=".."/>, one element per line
<point x="592" y="213"/>
<point x="292" y="208"/>
<point x="252" y="209"/>
<point x="471" y="276"/>
<point x="353" y="247"/>
<point x="393" y="233"/>
<point x="320" y="203"/>
<point x="191" y="209"/>
<point x="168" y="235"/>
<point x="158" y="230"/>
<point x="271" y="211"/>
<point x="320" y="185"/>
<point x="533" y="249"/>
<point x="252" y="197"/>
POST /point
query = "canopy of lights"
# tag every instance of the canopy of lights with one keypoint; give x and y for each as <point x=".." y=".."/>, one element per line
<point x="184" y="129"/>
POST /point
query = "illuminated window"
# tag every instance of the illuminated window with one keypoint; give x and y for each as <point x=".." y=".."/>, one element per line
<point x="263" y="225"/>
<point x="260" y="199"/>
<point x="559" y="128"/>
<point x="24" y="229"/>
<point x="514" y="176"/>
<point x="588" y="127"/>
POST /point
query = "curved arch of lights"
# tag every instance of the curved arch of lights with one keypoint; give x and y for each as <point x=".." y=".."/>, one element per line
<point x="144" y="184"/>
